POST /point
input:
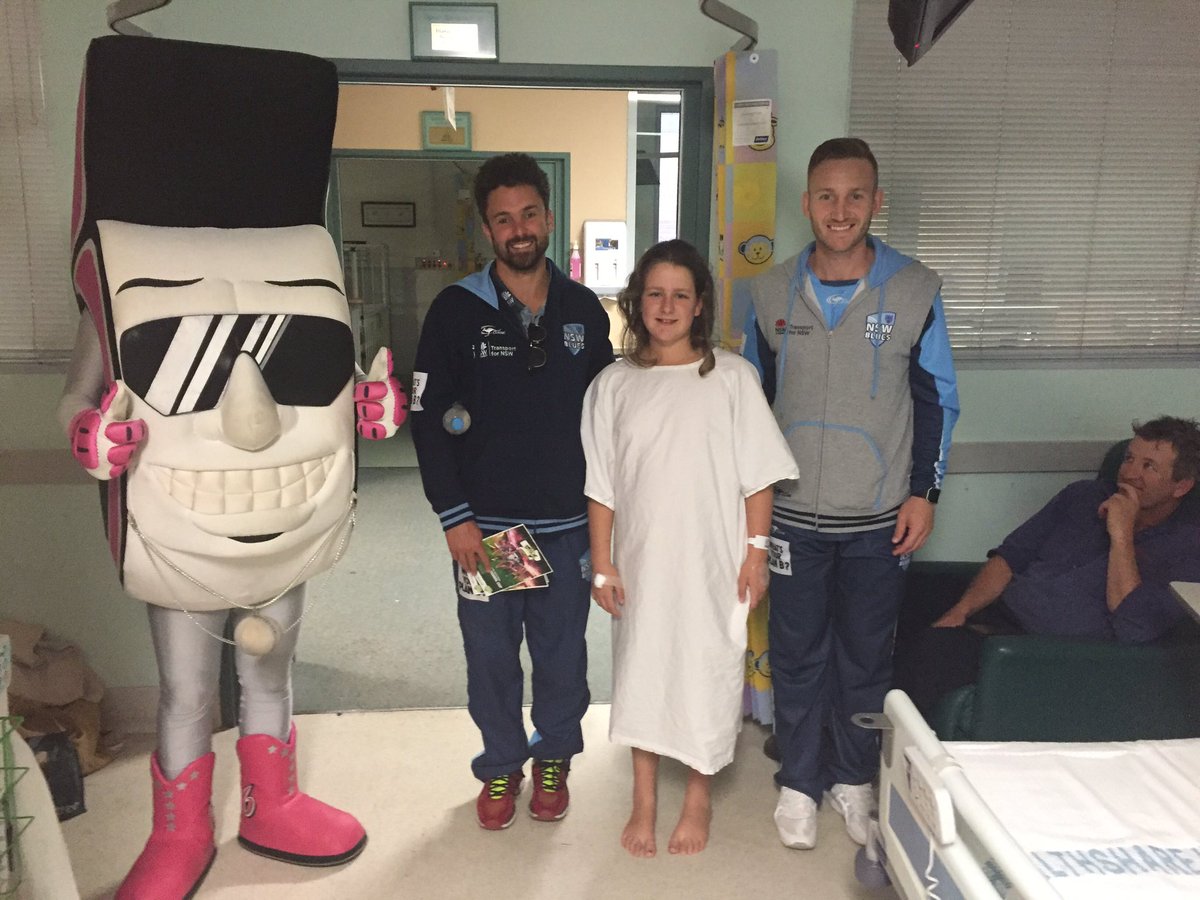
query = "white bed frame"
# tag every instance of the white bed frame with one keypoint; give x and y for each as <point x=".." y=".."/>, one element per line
<point x="936" y="836"/>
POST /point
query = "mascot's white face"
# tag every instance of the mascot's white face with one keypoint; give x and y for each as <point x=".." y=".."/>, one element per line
<point x="236" y="349"/>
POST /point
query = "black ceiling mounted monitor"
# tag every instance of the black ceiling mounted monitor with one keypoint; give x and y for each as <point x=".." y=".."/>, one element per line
<point x="917" y="24"/>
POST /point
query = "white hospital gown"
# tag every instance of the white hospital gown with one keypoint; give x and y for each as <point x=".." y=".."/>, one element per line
<point x="674" y="455"/>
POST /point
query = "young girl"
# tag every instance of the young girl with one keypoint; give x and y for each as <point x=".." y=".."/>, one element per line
<point x="682" y="452"/>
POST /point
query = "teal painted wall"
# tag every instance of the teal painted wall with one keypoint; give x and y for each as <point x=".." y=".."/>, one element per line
<point x="58" y="572"/>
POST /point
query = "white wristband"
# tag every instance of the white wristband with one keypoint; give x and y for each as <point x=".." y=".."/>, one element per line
<point x="759" y="542"/>
<point x="598" y="580"/>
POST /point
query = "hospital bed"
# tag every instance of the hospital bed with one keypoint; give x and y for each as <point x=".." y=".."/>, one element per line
<point x="998" y="821"/>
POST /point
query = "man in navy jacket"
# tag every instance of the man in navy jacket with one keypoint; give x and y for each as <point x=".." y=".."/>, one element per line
<point x="509" y="352"/>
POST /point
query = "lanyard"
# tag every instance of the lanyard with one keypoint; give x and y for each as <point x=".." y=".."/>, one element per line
<point x="518" y="309"/>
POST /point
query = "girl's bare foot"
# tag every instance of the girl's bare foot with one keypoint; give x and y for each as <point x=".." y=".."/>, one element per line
<point x="691" y="833"/>
<point x="638" y="836"/>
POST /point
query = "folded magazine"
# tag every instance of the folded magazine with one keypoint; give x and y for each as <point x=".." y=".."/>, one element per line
<point x="517" y="564"/>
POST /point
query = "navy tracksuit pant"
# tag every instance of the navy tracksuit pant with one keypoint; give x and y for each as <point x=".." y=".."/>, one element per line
<point x="830" y="629"/>
<point x="553" y="622"/>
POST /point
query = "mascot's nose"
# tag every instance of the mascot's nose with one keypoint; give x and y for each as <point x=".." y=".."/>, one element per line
<point x="249" y="416"/>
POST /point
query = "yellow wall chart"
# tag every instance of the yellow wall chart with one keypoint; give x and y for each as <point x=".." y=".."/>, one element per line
<point x="746" y="117"/>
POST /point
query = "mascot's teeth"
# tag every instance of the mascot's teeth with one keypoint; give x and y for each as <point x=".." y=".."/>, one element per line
<point x="246" y="490"/>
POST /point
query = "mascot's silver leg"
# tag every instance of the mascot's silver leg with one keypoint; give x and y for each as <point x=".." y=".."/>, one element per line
<point x="188" y="668"/>
<point x="266" y="680"/>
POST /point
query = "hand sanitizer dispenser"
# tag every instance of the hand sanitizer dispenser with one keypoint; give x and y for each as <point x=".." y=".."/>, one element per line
<point x="605" y="256"/>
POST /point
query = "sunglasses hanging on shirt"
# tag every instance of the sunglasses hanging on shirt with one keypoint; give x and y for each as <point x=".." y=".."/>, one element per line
<point x="534" y="331"/>
<point x="537" y="351"/>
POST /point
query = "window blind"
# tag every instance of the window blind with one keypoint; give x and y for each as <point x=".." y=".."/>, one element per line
<point x="1044" y="157"/>
<point x="37" y="309"/>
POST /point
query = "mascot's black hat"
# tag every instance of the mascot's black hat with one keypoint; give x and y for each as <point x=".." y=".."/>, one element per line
<point x="186" y="134"/>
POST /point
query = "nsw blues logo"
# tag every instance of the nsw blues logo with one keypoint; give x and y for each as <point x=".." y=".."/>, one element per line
<point x="573" y="337"/>
<point x="879" y="327"/>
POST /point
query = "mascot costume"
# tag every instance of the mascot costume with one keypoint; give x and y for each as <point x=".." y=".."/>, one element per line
<point x="214" y="393"/>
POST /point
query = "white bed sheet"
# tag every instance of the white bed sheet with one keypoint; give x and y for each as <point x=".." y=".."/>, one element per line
<point x="1040" y="821"/>
<point x="1116" y="820"/>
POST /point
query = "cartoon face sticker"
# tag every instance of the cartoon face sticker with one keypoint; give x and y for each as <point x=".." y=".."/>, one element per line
<point x="766" y="142"/>
<point x="759" y="664"/>
<point x="236" y="348"/>
<point x="757" y="249"/>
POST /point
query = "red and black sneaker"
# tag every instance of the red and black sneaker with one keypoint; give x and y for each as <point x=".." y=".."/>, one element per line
<point x="496" y="806"/>
<point x="550" y="794"/>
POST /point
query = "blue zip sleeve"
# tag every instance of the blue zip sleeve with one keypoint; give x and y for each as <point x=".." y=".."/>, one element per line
<point x="438" y="451"/>
<point x="935" y="401"/>
<point x="757" y="352"/>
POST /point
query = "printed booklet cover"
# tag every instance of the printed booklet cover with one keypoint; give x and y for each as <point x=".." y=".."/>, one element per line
<point x="517" y="565"/>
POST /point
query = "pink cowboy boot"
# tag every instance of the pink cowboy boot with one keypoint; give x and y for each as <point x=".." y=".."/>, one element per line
<point x="180" y="849"/>
<point x="281" y="822"/>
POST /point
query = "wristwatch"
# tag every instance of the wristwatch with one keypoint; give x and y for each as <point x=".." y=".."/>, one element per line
<point x="932" y="494"/>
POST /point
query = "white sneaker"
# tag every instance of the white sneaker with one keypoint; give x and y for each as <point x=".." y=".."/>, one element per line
<point x="796" y="819"/>
<point x="854" y="803"/>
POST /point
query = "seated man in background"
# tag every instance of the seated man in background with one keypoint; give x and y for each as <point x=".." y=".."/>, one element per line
<point x="1095" y="562"/>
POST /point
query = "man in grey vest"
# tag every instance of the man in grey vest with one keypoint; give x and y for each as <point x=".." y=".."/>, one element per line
<point x="850" y="340"/>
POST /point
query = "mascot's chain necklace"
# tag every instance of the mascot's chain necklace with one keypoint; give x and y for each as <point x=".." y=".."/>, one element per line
<point x="255" y="634"/>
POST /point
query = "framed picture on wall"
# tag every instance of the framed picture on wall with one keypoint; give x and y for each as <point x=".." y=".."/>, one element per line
<point x="436" y="133"/>
<point x="453" y="31"/>
<point x="381" y="214"/>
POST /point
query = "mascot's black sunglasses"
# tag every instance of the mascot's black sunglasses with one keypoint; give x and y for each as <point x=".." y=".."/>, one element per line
<point x="181" y="364"/>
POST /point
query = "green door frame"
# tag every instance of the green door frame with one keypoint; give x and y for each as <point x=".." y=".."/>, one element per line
<point x="557" y="167"/>
<point x="695" y="84"/>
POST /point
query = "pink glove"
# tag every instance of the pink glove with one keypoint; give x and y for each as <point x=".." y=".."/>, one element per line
<point x="380" y="404"/>
<point x="104" y="440"/>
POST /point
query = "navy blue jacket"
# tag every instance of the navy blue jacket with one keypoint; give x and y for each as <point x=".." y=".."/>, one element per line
<point x="521" y="460"/>
<point x="1059" y="560"/>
